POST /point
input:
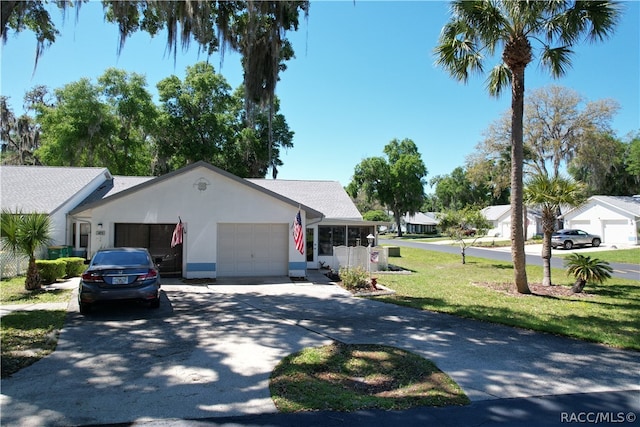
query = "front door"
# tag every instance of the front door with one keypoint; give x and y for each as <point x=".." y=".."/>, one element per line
<point x="312" y="261"/>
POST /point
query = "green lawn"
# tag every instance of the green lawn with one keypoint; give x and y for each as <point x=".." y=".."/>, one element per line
<point x="625" y="256"/>
<point x="607" y="313"/>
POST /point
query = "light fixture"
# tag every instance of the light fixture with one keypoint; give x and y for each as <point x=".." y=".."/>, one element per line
<point x="100" y="225"/>
<point x="371" y="238"/>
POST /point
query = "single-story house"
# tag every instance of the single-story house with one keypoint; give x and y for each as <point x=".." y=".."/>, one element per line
<point x="229" y="226"/>
<point x="421" y="223"/>
<point x="500" y="218"/>
<point x="614" y="218"/>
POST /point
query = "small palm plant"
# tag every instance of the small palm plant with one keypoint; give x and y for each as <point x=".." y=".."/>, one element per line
<point x="25" y="234"/>
<point x="586" y="269"/>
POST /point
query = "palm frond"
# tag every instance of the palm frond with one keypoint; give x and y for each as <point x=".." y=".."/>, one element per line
<point x="556" y="60"/>
<point x="499" y="78"/>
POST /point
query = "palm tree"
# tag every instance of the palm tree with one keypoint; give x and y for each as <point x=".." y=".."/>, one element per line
<point x="549" y="194"/>
<point x="586" y="269"/>
<point x="482" y="27"/>
<point x="25" y="234"/>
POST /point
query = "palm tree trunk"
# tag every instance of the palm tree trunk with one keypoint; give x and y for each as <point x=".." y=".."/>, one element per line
<point x="32" y="281"/>
<point x="578" y="286"/>
<point x="517" y="159"/>
<point x="546" y="259"/>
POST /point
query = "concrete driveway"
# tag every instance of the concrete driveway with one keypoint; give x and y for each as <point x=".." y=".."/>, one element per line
<point x="209" y="351"/>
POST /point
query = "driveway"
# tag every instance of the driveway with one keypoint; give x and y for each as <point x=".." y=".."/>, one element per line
<point x="209" y="351"/>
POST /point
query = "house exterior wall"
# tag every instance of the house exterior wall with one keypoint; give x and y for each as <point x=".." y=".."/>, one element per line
<point x="202" y="199"/>
<point x="613" y="225"/>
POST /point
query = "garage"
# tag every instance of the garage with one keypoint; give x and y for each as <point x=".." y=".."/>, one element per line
<point x="252" y="250"/>
<point x="615" y="231"/>
<point x="157" y="239"/>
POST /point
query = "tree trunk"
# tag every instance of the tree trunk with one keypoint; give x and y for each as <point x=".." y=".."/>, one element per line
<point x="546" y="259"/>
<point x="32" y="281"/>
<point x="548" y="220"/>
<point x="397" y="215"/>
<point x="517" y="159"/>
<point x="463" y="253"/>
<point x="578" y="286"/>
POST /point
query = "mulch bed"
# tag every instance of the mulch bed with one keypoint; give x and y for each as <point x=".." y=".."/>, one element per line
<point x="537" y="289"/>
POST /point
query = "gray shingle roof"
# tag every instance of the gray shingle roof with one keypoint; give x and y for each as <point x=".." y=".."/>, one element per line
<point x="625" y="203"/>
<point x="43" y="189"/>
<point x="422" y="218"/>
<point x="114" y="186"/>
<point x="327" y="197"/>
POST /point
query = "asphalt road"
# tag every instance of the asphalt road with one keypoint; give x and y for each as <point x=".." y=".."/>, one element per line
<point x="625" y="271"/>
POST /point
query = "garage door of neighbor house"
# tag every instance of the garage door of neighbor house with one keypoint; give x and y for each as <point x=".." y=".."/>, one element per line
<point x="252" y="250"/>
<point x="156" y="238"/>
<point x="616" y="231"/>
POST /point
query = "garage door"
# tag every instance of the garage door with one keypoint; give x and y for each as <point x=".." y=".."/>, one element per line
<point x="252" y="250"/>
<point x="156" y="238"/>
<point x="616" y="231"/>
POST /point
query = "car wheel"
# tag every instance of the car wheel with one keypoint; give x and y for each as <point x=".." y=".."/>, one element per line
<point x="155" y="303"/>
<point x="568" y="244"/>
<point x="85" y="308"/>
<point x="595" y="243"/>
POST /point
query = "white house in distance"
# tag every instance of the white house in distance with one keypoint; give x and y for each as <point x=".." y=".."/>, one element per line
<point x="232" y="226"/>
<point x="500" y="218"/>
<point x="614" y="218"/>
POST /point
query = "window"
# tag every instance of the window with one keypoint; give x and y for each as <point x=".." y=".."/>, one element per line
<point x="358" y="236"/>
<point x="330" y="236"/>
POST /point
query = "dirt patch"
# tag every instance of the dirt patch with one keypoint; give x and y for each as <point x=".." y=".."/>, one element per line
<point x="537" y="289"/>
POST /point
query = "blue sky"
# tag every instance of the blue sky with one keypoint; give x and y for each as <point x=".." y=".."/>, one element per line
<point x="363" y="74"/>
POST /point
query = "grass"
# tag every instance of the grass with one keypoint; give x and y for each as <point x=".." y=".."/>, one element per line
<point x="624" y="256"/>
<point x="606" y="314"/>
<point x="12" y="292"/>
<point x="28" y="336"/>
<point x="343" y="377"/>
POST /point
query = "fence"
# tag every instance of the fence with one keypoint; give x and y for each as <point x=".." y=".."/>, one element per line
<point x="359" y="256"/>
<point x="12" y="264"/>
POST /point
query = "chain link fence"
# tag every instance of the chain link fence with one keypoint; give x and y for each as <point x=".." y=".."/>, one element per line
<point x="12" y="264"/>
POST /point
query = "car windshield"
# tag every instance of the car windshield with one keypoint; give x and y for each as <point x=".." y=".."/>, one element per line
<point x="121" y="258"/>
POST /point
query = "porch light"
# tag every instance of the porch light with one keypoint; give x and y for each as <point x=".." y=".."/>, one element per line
<point x="371" y="238"/>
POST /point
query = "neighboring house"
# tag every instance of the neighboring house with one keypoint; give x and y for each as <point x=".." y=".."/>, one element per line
<point x="53" y="191"/>
<point x="420" y="223"/>
<point x="500" y="218"/>
<point x="614" y="218"/>
<point x="231" y="226"/>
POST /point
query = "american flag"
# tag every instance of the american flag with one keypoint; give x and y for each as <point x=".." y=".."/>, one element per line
<point x="176" y="239"/>
<point x="298" y="235"/>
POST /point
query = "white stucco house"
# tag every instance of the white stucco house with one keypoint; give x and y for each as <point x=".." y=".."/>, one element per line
<point x="614" y="218"/>
<point x="231" y="226"/>
<point x="421" y="223"/>
<point x="500" y="218"/>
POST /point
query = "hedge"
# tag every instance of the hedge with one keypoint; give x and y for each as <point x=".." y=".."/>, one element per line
<point x="75" y="266"/>
<point x="51" y="270"/>
<point x="54" y="269"/>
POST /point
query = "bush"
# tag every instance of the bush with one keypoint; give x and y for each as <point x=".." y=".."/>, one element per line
<point x="74" y="266"/>
<point x="354" y="278"/>
<point x="51" y="270"/>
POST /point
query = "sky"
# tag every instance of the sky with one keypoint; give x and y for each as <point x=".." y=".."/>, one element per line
<point x="364" y="74"/>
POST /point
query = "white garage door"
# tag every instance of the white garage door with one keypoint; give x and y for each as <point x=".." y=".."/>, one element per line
<point x="252" y="250"/>
<point x="616" y="231"/>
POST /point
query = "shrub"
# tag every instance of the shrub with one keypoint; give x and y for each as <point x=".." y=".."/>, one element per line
<point x="354" y="278"/>
<point x="51" y="270"/>
<point x="74" y="266"/>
